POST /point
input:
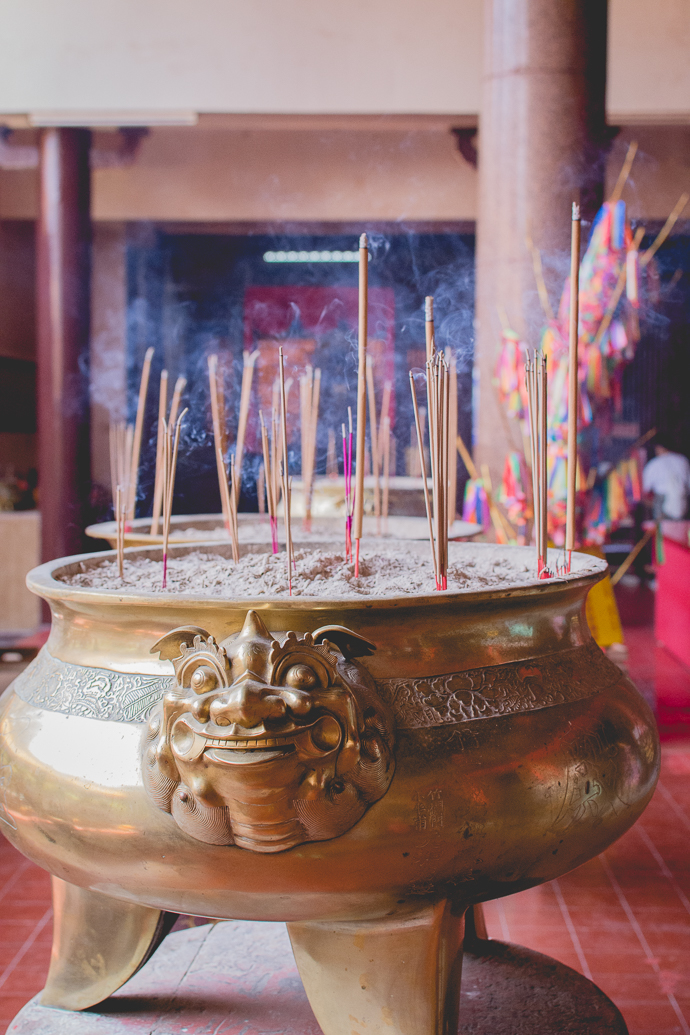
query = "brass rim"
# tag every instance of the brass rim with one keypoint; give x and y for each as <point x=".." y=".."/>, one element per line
<point x="42" y="581"/>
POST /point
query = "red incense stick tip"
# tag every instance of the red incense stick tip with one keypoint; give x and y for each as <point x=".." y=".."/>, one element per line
<point x="356" y="558"/>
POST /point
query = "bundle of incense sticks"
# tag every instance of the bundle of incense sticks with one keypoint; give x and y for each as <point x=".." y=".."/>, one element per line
<point x="438" y="402"/>
<point x="347" y="472"/>
<point x="374" y="438"/>
<point x="230" y="499"/>
<point x="309" y="389"/>
<point x="361" y="394"/>
<point x="287" y="487"/>
<point x="138" y="431"/>
<point x="430" y="332"/>
<point x="270" y="468"/>
<point x="180" y="385"/>
<point x="171" y="443"/>
<point x="537" y="394"/>
<point x="121" y="436"/>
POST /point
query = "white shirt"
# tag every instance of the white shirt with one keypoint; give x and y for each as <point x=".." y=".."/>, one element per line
<point x="668" y="476"/>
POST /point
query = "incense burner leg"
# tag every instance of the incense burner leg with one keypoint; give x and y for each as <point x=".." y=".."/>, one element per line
<point x="98" y="943"/>
<point x="383" y="977"/>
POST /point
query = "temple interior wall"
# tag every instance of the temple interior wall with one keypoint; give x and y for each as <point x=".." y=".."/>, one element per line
<point x="216" y="176"/>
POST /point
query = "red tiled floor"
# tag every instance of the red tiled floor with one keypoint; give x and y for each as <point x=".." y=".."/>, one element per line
<point x="622" y="919"/>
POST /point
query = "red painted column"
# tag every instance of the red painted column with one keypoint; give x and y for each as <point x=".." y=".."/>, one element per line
<point x="62" y="302"/>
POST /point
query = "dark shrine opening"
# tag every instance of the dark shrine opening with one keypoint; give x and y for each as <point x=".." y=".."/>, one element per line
<point x="193" y="294"/>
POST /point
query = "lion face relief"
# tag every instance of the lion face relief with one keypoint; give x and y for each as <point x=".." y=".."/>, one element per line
<point x="264" y="744"/>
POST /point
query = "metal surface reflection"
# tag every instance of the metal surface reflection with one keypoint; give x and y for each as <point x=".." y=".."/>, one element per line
<point x="509" y="750"/>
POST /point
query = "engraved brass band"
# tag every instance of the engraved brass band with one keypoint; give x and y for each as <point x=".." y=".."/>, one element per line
<point x="479" y="693"/>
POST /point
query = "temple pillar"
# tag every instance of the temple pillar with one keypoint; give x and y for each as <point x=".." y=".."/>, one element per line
<point x="542" y="142"/>
<point x="62" y="303"/>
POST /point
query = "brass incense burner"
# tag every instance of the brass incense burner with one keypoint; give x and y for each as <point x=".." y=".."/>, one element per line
<point x="363" y="769"/>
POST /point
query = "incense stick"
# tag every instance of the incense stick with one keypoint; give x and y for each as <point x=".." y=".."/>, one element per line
<point x="217" y="436"/>
<point x="647" y="256"/>
<point x="170" y="450"/>
<point x="361" y="394"/>
<point x="172" y="418"/>
<point x="624" y="173"/>
<point x="138" y="431"/>
<point x="573" y="374"/>
<point x="617" y="294"/>
<point x="539" y="277"/>
<point x="310" y="387"/>
<point x="271" y="487"/>
<point x="158" y="479"/>
<point x="347" y="475"/>
<point x="331" y="458"/>
<point x="452" y="436"/>
<point x="386" y="445"/>
<point x="180" y="386"/>
<point x="287" y="516"/>
<point x="248" y="361"/>
<point x="120" y="538"/>
<point x="537" y="392"/>
<point x="232" y="509"/>
<point x="429" y="327"/>
<point x="261" y="489"/>
<point x="439" y="404"/>
<point x="422" y="464"/>
<point x="374" y="437"/>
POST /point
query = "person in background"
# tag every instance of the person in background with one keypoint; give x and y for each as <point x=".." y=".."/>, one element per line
<point x="667" y="479"/>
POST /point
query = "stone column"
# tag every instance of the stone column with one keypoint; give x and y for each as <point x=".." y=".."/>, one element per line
<point x="62" y="304"/>
<point x="541" y="147"/>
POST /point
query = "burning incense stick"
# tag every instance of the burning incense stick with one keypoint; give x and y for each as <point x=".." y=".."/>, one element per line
<point x="374" y="437"/>
<point x="171" y="443"/>
<point x="248" y="362"/>
<point x="422" y="464"/>
<point x="269" y="468"/>
<point x="573" y="382"/>
<point x="138" y="431"/>
<point x="217" y="436"/>
<point x="287" y="516"/>
<point x="180" y="386"/>
<point x="309" y="390"/>
<point x="429" y="327"/>
<point x="361" y="395"/>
